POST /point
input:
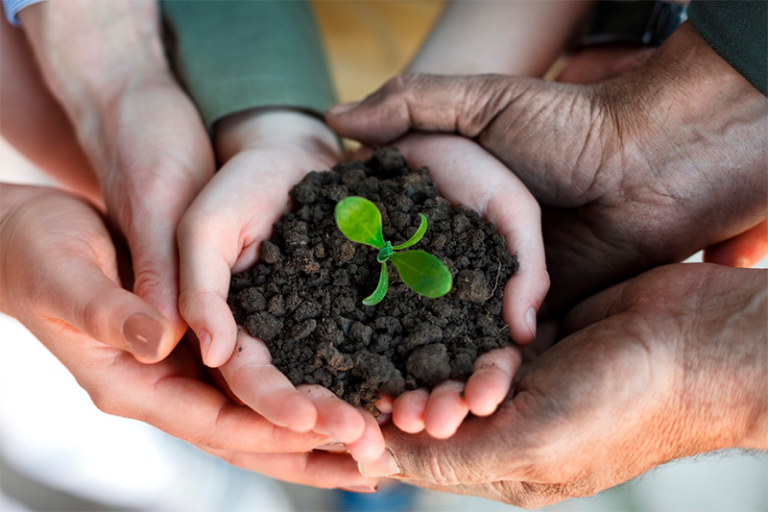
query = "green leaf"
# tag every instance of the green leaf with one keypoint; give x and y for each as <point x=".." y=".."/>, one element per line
<point x="384" y="253"/>
<point x="418" y="235"/>
<point x="360" y="221"/>
<point x="381" y="290"/>
<point x="423" y="273"/>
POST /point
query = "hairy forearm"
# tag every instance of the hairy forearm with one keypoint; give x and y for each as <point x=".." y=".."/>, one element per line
<point x="511" y="38"/>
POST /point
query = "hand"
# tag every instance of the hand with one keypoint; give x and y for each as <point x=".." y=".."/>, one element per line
<point x="104" y="63"/>
<point x="264" y="154"/>
<point x="634" y="172"/>
<point x="667" y="365"/>
<point x="59" y="277"/>
<point x="466" y="174"/>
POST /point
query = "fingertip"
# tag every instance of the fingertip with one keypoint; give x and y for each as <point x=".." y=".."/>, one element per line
<point x="446" y="410"/>
<point x="480" y="400"/>
<point x="370" y="446"/>
<point x="148" y="336"/>
<point x="408" y="411"/>
<point x="216" y="351"/>
<point x="302" y="415"/>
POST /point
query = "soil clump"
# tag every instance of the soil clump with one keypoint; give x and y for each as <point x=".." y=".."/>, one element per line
<point x="304" y="296"/>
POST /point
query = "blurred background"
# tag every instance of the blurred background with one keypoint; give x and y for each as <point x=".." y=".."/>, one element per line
<point x="58" y="452"/>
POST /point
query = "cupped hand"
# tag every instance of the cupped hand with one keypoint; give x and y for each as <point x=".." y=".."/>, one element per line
<point x="59" y="277"/>
<point x="467" y="174"/>
<point x="104" y="62"/>
<point x="265" y="153"/>
<point x="666" y="365"/>
<point x="633" y="172"/>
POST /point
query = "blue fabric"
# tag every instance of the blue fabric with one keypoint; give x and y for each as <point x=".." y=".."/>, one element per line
<point x="12" y="8"/>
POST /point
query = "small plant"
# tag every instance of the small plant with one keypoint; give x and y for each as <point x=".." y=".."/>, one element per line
<point x="360" y="221"/>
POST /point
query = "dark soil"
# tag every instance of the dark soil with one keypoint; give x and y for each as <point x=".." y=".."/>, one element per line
<point x="304" y="296"/>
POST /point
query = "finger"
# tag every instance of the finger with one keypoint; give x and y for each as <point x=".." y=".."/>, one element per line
<point x="254" y="380"/>
<point x="743" y="250"/>
<point x="218" y="236"/>
<point x="500" y="198"/>
<point x="430" y="103"/>
<point x="335" y="417"/>
<point x="491" y="379"/>
<point x="446" y="409"/>
<point x="79" y="288"/>
<point x="205" y="262"/>
<point x="370" y="446"/>
<point x="408" y="410"/>
<point x="384" y="404"/>
<point x="317" y="469"/>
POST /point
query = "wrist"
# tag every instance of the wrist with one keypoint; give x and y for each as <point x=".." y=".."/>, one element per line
<point x="89" y="51"/>
<point x="274" y="129"/>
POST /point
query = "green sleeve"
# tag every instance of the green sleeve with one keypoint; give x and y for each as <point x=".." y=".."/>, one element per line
<point x="738" y="31"/>
<point x="232" y="56"/>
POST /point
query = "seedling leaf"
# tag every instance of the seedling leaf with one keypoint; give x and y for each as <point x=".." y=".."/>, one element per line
<point x="423" y="273"/>
<point x="418" y="235"/>
<point x="360" y="221"/>
<point x="381" y="290"/>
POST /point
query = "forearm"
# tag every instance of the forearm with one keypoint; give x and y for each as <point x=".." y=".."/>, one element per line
<point x="88" y="50"/>
<point x="511" y="38"/>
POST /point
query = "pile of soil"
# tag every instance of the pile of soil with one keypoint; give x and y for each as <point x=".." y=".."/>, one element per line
<point x="304" y="296"/>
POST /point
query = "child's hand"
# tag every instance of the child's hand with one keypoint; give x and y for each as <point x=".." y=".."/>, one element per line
<point x="467" y="174"/>
<point x="265" y="153"/>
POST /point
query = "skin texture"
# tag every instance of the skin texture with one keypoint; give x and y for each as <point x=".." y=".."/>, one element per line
<point x="74" y="303"/>
<point x="139" y="131"/>
<point x="144" y="140"/>
<point x="666" y="365"/>
<point x="632" y="172"/>
<point x="34" y="123"/>
<point x="264" y="153"/>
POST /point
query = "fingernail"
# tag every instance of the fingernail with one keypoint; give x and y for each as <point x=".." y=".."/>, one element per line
<point x="530" y="321"/>
<point x="333" y="447"/>
<point x="386" y="465"/>
<point x="360" y="488"/>
<point x="741" y="262"/>
<point x="143" y="335"/>
<point x="342" y="108"/>
<point x="205" y="343"/>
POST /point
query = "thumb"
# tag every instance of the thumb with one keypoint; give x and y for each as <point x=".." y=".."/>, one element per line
<point x="96" y="305"/>
<point x="483" y="450"/>
<point x="552" y="135"/>
<point x="432" y="103"/>
<point x="449" y="104"/>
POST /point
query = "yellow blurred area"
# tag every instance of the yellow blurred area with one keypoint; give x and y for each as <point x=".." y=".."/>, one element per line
<point x="368" y="42"/>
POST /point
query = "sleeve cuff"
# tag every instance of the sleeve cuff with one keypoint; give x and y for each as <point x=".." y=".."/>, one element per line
<point x="12" y="8"/>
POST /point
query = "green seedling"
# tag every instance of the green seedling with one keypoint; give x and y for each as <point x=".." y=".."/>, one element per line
<point x="360" y="221"/>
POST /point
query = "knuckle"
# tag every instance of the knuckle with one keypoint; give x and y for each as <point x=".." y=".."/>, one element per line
<point x="149" y="281"/>
<point x="441" y="472"/>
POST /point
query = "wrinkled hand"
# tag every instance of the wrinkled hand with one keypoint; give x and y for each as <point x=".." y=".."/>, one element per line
<point x="265" y="153"/>
<point x="104" y="63"/>
<point x="604" y="62"/>
<point x="466" y="174"/>
<point x="666" y="365"/>
<point x="634" y="172"/>
<point x="59" y="277"/>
